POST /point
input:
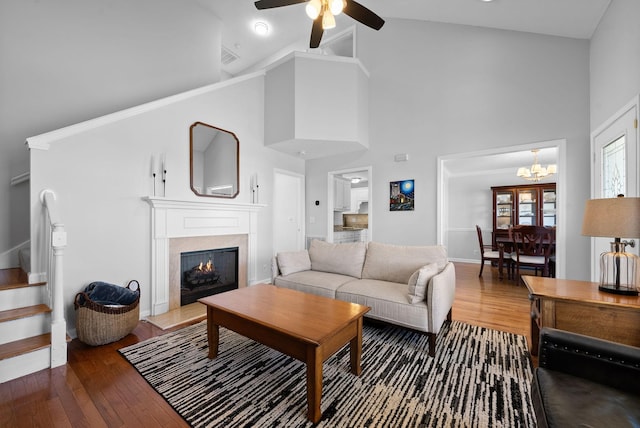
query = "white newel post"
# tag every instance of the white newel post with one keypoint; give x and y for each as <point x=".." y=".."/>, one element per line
<point x="58" y="324"/>
<point x="179" y="219"/>
<point x="56" y="284"/>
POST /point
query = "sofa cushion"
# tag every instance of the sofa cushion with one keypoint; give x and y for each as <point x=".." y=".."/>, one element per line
<point x="314" y="282"/>
<point x="419" y="280"/>
<point x="388" y="302"/>
<point x="293" y="261"/>
<point x="345" y="259"/>
<point x="396" y="263"/>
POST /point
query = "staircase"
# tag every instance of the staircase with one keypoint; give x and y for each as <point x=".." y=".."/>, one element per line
<point x="25" y="324"/>
<point x="32" y="326"/>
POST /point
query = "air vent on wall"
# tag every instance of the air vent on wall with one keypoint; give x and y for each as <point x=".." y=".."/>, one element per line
<point x="227" y="56"/>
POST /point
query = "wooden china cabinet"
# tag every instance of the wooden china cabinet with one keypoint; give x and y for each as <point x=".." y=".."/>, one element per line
<point x="531" y="204"/>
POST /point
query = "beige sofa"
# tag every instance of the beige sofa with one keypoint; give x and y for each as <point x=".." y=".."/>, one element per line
<point x="410" y="286"/>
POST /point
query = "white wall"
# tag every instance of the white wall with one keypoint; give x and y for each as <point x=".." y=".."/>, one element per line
<point x="100" y="175"/>
<point x="438" y="89"/>
<point x="472" y="205"/>
<point x="66" y="61"/>
<point x="615" y="60"/>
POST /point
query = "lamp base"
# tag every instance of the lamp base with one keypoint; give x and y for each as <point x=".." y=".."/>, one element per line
<point x="611" y="288"/>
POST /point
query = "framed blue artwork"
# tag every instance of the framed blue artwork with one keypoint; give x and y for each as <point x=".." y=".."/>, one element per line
<point x="401" y="195"/>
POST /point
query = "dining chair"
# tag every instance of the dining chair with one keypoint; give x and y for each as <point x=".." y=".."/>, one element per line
<point x="532" y="248"/>
<point x="488" y="253"/>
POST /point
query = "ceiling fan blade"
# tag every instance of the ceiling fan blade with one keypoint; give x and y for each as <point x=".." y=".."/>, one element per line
<point x="316" y="32"/>
<point x="268" y="4"/>
<point x="363" y="15"/>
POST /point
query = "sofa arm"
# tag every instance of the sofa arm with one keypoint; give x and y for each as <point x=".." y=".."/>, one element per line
<point x="441" y="291"/>
<point x="597" y="360"/>
<point x="275" y="270"/>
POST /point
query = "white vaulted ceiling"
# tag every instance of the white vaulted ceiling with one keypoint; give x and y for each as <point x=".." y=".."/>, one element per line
<point x="290" y="26"/>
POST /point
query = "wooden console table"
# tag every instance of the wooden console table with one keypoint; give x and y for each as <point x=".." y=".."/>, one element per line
<point x="579" y="306"/>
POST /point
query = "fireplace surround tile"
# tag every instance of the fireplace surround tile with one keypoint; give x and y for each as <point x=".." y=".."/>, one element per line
<point x="182" y="245"/>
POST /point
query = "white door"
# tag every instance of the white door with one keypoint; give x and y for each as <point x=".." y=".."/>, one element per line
<point x="615" y="154"/>
<point x="288" y="211"/>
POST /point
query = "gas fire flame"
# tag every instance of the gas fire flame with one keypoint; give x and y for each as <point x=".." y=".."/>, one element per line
<point x="206" y="267"/>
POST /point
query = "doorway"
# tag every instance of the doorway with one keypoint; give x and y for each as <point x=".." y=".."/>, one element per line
<point x="616" y="157"/>
<point x="362" y="173"/>
<point x="288" y="211"/>
<point x="486" y="162"/>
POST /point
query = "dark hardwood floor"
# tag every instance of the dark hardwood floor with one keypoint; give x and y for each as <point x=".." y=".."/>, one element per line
<point x="99" y="388"/>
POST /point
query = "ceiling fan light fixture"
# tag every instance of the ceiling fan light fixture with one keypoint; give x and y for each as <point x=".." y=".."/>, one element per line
<point x="328" y="21"/>
<point x="313" y="9"/>
<point x="336" y="6"/>
<point x="323" y="13"/>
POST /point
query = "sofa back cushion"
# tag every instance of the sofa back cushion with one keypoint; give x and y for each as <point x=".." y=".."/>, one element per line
<point x="293" y="261"/>
<point x="396" y="263"/>
<point x="345" y="259"/>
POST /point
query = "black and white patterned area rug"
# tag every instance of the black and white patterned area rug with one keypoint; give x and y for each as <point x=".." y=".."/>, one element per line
<point x="479" y="378"/>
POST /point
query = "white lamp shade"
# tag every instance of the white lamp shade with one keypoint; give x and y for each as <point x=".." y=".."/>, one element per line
<point x="313" y="9"/>
<point x="612" y="218"/>
<point x="328" y="21"/>
<point x="336" y="6"/>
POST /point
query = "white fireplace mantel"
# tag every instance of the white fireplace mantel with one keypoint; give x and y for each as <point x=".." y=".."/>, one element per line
<point x="171" y="218"/>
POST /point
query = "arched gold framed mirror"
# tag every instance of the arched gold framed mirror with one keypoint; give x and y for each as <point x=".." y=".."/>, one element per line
<point x="214" y="161"/>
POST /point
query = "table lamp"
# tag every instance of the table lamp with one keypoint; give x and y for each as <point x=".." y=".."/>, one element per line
<point x="615" y="217"/>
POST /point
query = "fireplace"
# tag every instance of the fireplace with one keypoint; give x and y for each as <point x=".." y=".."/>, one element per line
<point x="179" y="226"/>
<point x="207" y="272"/>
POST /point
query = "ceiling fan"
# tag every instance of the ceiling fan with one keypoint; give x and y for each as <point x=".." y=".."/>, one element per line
<point x="323" y="11"/>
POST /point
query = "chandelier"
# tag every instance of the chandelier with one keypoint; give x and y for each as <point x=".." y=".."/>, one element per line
<point x="536" y="172"/>
<point x="327" y="8"/>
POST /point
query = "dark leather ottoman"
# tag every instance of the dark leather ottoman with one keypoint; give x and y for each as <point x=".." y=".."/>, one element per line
<point x="582" y="381"/>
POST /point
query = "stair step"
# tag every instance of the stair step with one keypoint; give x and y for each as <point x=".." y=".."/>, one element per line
<point x="12" y="276"/>
<point x="15" y="278"/>
<point x="24" y="346"/>
<point x="28" y="311"/>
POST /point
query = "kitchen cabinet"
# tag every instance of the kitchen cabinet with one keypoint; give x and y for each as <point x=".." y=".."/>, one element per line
<point x="359" y="195"/>
<point x="348" y="236"/>
<point x="341" y="194"/>
<point x="529" y="204"/>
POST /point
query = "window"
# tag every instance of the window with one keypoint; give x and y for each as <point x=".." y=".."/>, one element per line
<point x="613" y="168"/>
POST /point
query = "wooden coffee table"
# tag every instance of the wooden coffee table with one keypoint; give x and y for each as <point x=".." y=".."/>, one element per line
<point x="304" y="326"/>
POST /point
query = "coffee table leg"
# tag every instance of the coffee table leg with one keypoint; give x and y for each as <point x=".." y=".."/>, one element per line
<point x="355" y="350"/>
<point x="314" y="383"/>
<point x="213" y="334"/>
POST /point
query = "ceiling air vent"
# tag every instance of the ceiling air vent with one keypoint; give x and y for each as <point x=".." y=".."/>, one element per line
<point x="227" y="56"/>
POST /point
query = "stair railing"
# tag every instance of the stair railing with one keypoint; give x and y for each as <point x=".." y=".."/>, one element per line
<point x="58" y="240"/>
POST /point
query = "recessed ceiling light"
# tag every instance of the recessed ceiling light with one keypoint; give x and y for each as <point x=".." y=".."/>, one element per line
<point x="261" y="28"/>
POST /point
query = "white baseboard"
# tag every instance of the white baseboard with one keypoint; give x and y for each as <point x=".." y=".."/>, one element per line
<point x="473" y="261"/>
<point x="10" y="258"/>
<point x="37" y="277"/>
